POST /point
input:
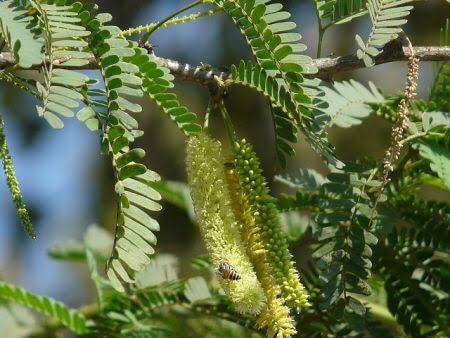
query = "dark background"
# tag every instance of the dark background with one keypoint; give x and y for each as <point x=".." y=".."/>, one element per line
<point x="67" y="184"/>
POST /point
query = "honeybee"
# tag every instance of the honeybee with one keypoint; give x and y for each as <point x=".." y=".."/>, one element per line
<point x="229" y="165"/>
<point x="228" y="272"/>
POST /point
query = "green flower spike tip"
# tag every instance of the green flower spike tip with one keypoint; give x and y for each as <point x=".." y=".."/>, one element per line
<point x="266" y="216"/>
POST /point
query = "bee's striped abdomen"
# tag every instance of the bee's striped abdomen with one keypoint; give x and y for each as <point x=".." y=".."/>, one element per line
<point x="228" y="272"/>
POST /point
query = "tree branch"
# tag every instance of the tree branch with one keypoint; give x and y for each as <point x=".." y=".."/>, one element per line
<point x="204" y="74"/>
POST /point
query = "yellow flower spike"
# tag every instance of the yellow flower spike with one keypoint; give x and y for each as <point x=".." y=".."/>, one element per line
<point x="274" y="315"/>
<point x="218" y="226"/>
<point x="266" y="216"/>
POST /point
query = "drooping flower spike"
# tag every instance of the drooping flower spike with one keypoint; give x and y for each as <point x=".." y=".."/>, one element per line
<point x="266" y="217"/>
<point x="218" y="226"/>
<point x="274" y="316"/>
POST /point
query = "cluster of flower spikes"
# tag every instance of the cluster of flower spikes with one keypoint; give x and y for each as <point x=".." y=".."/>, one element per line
<point x="273" y="238"/>
<point x="217" y="223"/>
<point x="274" y="315"/>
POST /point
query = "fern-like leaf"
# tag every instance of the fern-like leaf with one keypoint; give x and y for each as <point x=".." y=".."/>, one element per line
<point x="335" y="12"/>
<point x="345" y="243"/>
<point x="277" y="50"/>
<point x="255" y="77"/>
<point x="441" y="83"/>
<point x="438" y="154"/>
<point x="306" y="179"/>
<point x="64" y="44"/>
<point x="386" y="16"/>
<point x="72" y="319"/>
<point x="417" y="283"/>
<point x="176" y="193"/>
<point x="294" y="224"/>
<point x="348" y="103"/>
<point x="134" y="235"/>
<point x="21" y="34"/>
<point x="301" y="201"/>
<point x="441" y="87"/>
<point x="156" y="80"/>
<point x="13" y="79"/>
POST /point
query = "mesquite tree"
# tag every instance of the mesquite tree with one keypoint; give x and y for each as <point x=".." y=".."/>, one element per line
<point x="377" y="256"/>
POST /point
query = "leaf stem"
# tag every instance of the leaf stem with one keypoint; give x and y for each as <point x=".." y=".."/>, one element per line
<point x="421" y="134"/>
<point x="208" y="112"/>
<point x="321" y="30"/>
<point x="319" y="43"/>
<point x="144" y="39"/>
<point x="227" y="121"/>
<point x="173" y="21"/>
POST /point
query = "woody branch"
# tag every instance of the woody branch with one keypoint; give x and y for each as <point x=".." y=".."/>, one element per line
<point x="327" y="67"/>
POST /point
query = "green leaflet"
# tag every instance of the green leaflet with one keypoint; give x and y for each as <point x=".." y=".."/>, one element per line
<point x="387" y="16"/>
<point x="72" y="319"/>
<point x="348" y="103"/>
<point x="294" y="224"/>
<point x="96" y="240"/>
<point x="89" y="117"/>
<point x="70" y="250"/>
<point x="62" y="30"/>
<point x="19" y="30"/>
<point x="438" y="154"/>
<point x="306" y="179"/>
<point x="176" y="193"/>
<point x="197" y="289"/>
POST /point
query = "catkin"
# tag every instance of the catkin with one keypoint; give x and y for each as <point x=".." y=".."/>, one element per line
<point x="13" y="184"/>
<point x="393" y="152"/>
<point x="218" y="226"/>
<point x="266" y="216"/>
<point x="274" y="315"/>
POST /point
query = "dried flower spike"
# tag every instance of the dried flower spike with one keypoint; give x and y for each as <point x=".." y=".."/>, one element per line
<point x="409" y="92"/>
